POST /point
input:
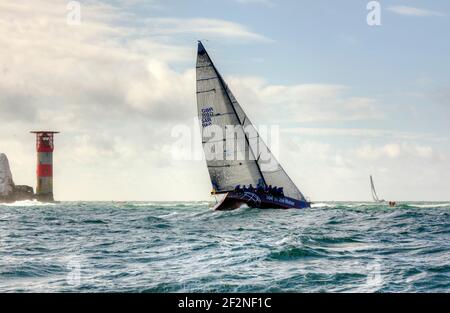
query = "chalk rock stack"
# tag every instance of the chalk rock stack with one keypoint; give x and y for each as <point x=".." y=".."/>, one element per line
<point x="9" y="192"/>
<point x="6" y="180"/>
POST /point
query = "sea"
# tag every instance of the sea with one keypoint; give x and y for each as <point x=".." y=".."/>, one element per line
<point x="187" y="247"/>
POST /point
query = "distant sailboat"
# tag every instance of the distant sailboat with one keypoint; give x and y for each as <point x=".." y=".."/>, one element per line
<point x="375" y="196"/>
<point x="374" y="192"/>
<point x="245" y="161"/>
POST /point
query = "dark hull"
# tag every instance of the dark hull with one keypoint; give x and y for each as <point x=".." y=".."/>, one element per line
<point x="234" y="200"/>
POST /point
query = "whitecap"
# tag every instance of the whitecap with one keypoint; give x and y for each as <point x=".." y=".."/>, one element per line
<point x="430" y="205"/>
<point x="322" y="205"/>
<point x="25" y="203"/>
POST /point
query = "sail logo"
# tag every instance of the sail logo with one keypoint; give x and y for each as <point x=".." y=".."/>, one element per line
<point x="207" y="115"/>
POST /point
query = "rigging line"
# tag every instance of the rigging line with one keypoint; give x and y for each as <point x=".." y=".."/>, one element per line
<point x="203" y="79"/>
<point x="212" y="141"/>
<point x="226" y="113"/>
<point x="214" y="89"/>
<point x="228" y="165"/>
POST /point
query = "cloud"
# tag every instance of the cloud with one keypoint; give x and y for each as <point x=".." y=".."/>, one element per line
<point x="116" y="90"/>
<point x="302" y="102"/>
<point x="402" y="151"/>
<point x="412" y="11"/>
<point x="215" y="28"/>
<point x="363" y="132"/>
<point x="441" y="96"/>
<point x="113" y="93"/>
<point x="328" y="170"/>
<point x="264" y="2"/>
<point x="111" y="88"/>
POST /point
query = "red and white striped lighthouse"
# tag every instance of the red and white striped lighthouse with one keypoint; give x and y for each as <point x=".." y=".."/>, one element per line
<point x="44" y="170"/>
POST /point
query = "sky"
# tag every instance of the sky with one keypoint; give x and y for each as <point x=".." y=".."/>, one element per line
<point x="117" y="79"/>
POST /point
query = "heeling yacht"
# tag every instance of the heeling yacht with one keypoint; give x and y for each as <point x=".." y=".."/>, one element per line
<point x="244" y="172"/>
<point x="375" y="195"/>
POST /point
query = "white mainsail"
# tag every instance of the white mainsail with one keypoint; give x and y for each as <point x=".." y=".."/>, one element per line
<point x="248" y="160"/>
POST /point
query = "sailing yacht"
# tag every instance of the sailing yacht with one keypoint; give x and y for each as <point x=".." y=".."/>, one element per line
<point x="374" y="192"/>
<point x="242" y="169"/>
<point x="375" y="196"/>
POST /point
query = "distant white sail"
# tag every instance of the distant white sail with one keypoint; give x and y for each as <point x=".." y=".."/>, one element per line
<point x="374" y="192"/>
<point x="245" y="162"/>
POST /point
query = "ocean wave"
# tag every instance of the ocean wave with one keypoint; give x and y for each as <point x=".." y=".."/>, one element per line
<point x="322" y="205"/>
<point x="158" y="204"/>
<point x="158" y="247"/>
<point x="294" y="253"/>
<point x="92" y="221"/>
<point x="27" y="203"/>
<point x="429" y="205"/>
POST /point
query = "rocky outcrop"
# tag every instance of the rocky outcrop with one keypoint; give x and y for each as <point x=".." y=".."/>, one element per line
<point x="6" y="180"/>
<point x="9" y="192"/>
